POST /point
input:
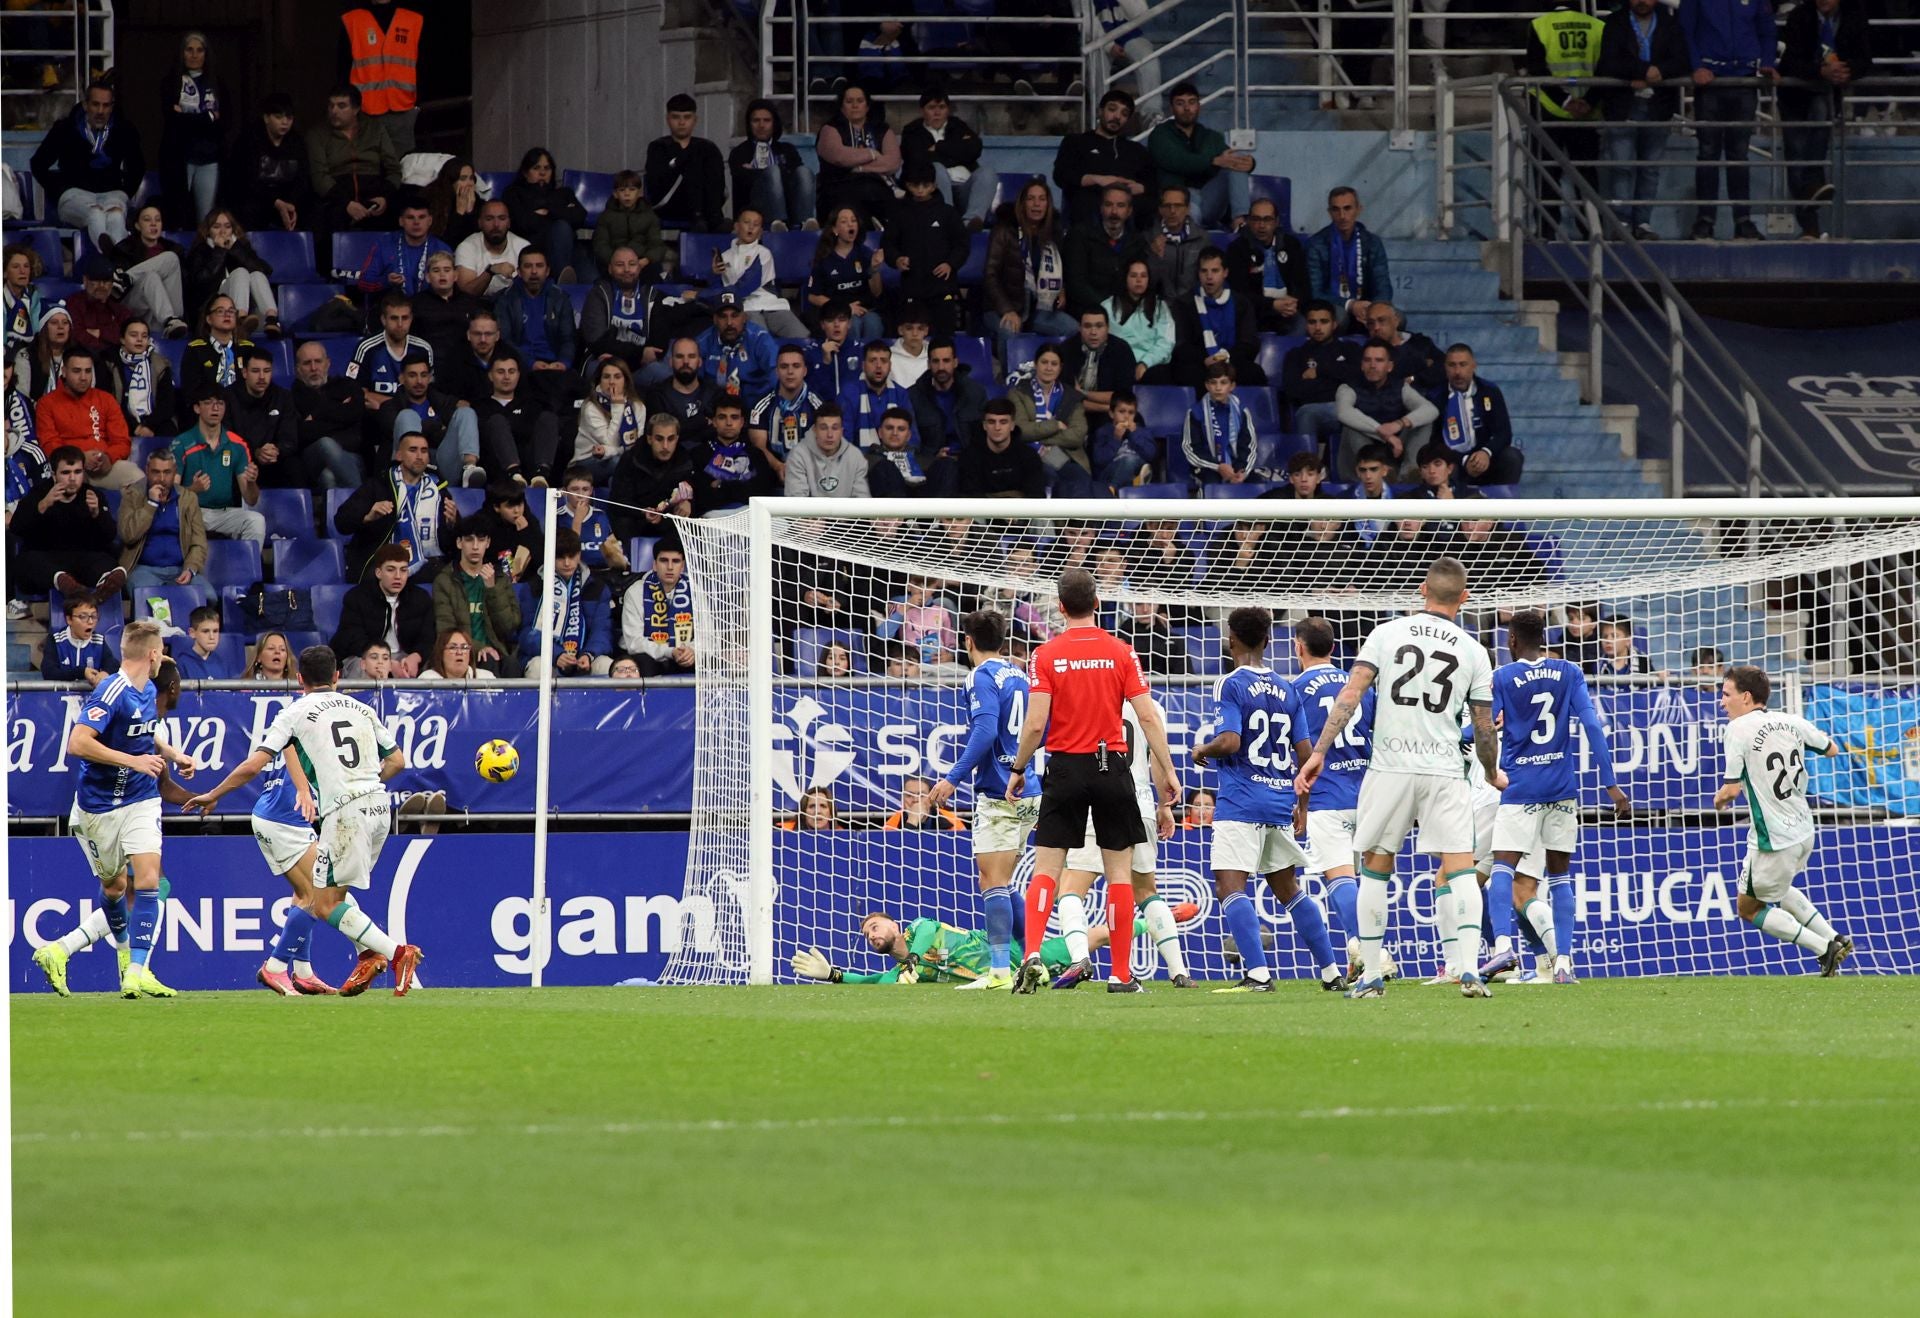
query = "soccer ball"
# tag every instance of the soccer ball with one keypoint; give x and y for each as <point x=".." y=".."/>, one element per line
<point x="497" y="761"/>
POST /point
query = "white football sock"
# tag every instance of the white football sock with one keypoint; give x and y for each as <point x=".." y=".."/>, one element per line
<point x="1801" y="907"/>
<point x="1446" y="920"/>
<point x="275" y="964"/>
<point x="304" y="969"/>
<point x="1468" y="905"/>
<point x="358" y="926"/>
<point x="1072" y="913"/>
<point x="1370" y="908"/>
<point x="1165" y="933"/>
<point x="1789" y="930"/>
<point x="1540" y="915"/>
<point x="90" y="931"/>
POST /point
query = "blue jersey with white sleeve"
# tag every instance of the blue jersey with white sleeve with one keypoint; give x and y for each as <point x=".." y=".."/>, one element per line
<point x="124" y="717"/>
<point x="1537" y="702"/>
<point x="1256" y="781"/>
<point x="996" y="709"/>
<point x="278" y="802"/>
<point x="1338" y="787"/>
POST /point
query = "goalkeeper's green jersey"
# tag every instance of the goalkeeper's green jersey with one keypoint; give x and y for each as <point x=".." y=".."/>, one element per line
<point x="939" y="951"/>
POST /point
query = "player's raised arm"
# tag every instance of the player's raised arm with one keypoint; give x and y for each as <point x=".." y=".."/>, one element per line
<point x="243" y="773"/>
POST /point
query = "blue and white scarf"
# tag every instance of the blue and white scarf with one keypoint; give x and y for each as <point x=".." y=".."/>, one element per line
<point x="1458" y="433"/>
<point x="567" y="605"/>
<point x="1349" y="262"/>
<point x="98" y="142"/>
<point x="416" y="526"/>
<point x="1046" y="401"/>
<point x="1045" y="277"/>
<point x="136" y="370"/>
<point x="1219" y="326"/>
<point x="1221" y="426"/>
<point x="729" y="463"/>
<point x="1645" y="35"/>
<point x="223" y="372"/>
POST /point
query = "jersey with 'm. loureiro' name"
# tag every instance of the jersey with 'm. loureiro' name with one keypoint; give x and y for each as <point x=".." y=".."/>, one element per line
<point x="341" y="743"/>
<point x="124" y="717"/>
<point x="1538" y="701"/>
<point x="1089" y="674"/>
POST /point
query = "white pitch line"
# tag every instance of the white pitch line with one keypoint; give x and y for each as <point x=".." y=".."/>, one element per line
<point x="753" y="1126"/>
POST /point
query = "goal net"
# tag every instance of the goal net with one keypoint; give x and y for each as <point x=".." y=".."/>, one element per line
<point x="832" y="694"/>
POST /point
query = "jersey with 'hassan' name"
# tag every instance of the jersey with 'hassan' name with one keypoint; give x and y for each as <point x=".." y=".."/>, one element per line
<point x="1256" y="781"/>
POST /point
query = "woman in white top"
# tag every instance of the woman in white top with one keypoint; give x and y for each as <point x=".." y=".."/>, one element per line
<point x="453" y="660"/>
<point x="612" y="420"/>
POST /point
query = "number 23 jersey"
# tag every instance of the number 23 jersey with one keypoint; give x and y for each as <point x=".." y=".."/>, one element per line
<point x="341" y="744"/>
<point x="1764" y="751"/>
<point x="1426" y="670"/>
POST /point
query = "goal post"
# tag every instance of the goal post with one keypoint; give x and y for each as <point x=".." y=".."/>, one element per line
<point x="831" y="688"/>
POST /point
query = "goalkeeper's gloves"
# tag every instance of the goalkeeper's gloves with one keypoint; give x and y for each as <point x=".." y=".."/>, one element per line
<point x="811" y="965"/>
<point x="909" y="973"/>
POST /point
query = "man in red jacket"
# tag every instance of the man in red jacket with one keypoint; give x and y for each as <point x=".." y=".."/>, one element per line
<point x="89" y="419"/>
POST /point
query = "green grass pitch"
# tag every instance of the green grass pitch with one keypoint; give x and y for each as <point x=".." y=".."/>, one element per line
<point x="1699" y="1147"/>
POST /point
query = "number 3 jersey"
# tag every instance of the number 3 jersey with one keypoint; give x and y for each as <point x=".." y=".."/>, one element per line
<point x="1538" y="702"/>
<point x="1426" y="669"/>
<point x="1766" y="751"/>
<point x="341" y="743"/>
<point x="1256" y="781"/>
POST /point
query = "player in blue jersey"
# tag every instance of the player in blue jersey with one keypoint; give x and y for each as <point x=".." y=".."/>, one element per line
<point x="996" y="709"/>
<point x="1537" y="701"/>
<point x="1257" y="734"/>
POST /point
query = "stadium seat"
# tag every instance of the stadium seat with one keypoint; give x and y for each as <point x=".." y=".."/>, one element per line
<point x="146" y="445"/>
<point x="290" y="255"/>
<point x="113" y="501"/>
<point x="1021" y="349"/>
<point x="494" y="183"/>
<point x="334" y="499"/>
<point x="591" y="188"/>
<point x="1203" y="647"/>
<point x="233" y="621"/>
<point x="468" y="499"/>
<point x="1250" y="490"/>
<point x="640" y="553"/>
<point x="113" y="615"/>
<point x="576" y="294"/>
<point x="1502" y="652"/>
<point x="350" y="252"/>
<point x="974" y="269"/>
<point x="1007" y="187"/>
<point x="180" y="601"/>
<point x="809" y="642"/>
<point x="792" y="255"/>
<point x="975" y="355"/>
<point x="1164" y="408"/>
<point x="696" y="255"/>
<point x="1260" y="408"/>
<point x="1272" y="450"/>
<point x="1162" y="490"/>
<point x="307" y="562"/>
<point x="30" y="199"/>
<point x="53" y="246"/>
<point x="184" y="237"/>
<point x="1277" y="189"/>
<point x="298" y="641"/>
<point x="175" y="351"/>
<point x="326" y="605"/>
<point x="282" y="350"/>
<point x="298" y="302"/>
<point x="232" y="563"/>
<point x="55" y="289"/>
<point x="339" y="348"/>
<point x="1273" y="354"/>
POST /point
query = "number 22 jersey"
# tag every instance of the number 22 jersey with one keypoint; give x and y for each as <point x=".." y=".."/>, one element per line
<point x="1764" y="751"/>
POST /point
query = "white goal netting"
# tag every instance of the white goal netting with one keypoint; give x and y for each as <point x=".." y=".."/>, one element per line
<point x="863" y="694"/>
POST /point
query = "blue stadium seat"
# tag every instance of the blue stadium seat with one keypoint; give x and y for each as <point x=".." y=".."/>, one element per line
<point x="1273" y="353"/>
<point x="974" y="270"/>
<point x="54" y="247"/>
<point x="232" y="563"/>
<point x="1164" y="408"/>
<point x="640" y="552"/>
<point x="298" y="641"/>
<point x="468" y="499"/>
<point x="591" y="188"/>
<point x="180" y="601"/>
<point x="290" y="255"/>
<point x="1250" y="490"/>
<point x="1271" y="450"/>
<point x="1203" y="647"/>
<point x="54" y="289"/>
<point x="1007" y="187"/>
<point x="808" y="642"/>
<point x="113" y="501"/>
<point x="175" y="351"/>
<point x="232" y="621"/>
<point x="298" y="302"/>
<point x="494" y="183"/>
<point x="113" y="615"/>
<point x="282" y="350"/>
<point x="149" y="191"/>
<point x="308" y="562"/>
<point x="576" y="294"/>
<point x="1162" y="490"/>
<point x="350" y="252"/>
<point x="696" y="255"/>
<point x="1260" y="408"/>
<point x="1021" y="349"/>
<point x="1277" y="189"/>
<point x="30" y="200"/>
<point x="1502" y="652"/>
<point x="184" y="237"/>
<point x="326" y="605"/>
<point x="334" y="499"/>
<point x="792" y="254"/>
<point x="975" y="355"/>
<point x="146" y="445"/>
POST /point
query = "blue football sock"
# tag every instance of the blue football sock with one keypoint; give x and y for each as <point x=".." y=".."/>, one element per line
<point x="116" y="909"/>
<point x="1535" y="943"/>
<point x="294" y="937"/>
<point x="999" y="904"/>
<point x="1500" y="900"/>
<point x="1310" y="926"/>
<point x="1343" y="895"/>
<point x="1243" y="922"/>
<point x="1018" y="903"/>
<point x="1560" y="898"/>
<point x="145" y="924"/>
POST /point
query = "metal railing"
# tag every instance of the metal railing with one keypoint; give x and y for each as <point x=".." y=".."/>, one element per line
<point x="51" y="54"/>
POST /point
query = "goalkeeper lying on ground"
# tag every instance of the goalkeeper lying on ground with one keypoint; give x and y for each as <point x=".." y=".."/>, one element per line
<point x="928" y="949"/>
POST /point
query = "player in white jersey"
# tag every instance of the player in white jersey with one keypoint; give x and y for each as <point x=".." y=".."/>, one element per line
<point x="1430" y="672"/>
<point x="1766" y="760"/>
<point x="1084" y="866"/>
<point x="344" y="752"/>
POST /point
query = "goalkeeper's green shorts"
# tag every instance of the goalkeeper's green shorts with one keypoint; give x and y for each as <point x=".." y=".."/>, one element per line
<point x="1053" y="951"/>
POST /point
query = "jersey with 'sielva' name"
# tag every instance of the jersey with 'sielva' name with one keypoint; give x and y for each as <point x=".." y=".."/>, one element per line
<point x="1766" y="751"/>
<point x="1538" y="701"/>
<point x="997" y="691"/>
<point x="341" y="743"/>
<point x="1338" y="786"/>
<point x="1426" y="670"/>
<point x="1256" y="781"/>
<point x="124" y="717"/>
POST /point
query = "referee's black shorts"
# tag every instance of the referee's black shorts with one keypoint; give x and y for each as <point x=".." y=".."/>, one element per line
<point x="1074" y="786"/>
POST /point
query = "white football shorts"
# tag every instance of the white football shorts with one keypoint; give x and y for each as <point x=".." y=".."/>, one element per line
<point x="350" y="841"/>
<point x="1392" y="803"/>
<point x="1552" y="826"/>
<point x="1254" y="848"/>
<point x="1768" y="874"/>
<point x="113" y="837"/>
<point x="1003" y="825"/>
<point x="1330" y="839"/>
<point x="281" y="845"/>
<point x="1146" y="855"/>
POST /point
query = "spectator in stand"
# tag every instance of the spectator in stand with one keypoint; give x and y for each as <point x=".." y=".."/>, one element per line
<point x="472" y="596"/>
<point x="398" y="262"/>
<point x="600" y="548"/>
<point x="1026" y="282"/>
<point x="1382" y="408"/>
<point x="1641" y="45"/>
<point x="685" y="175"/>
<point x="949" y="142"/>
<point x="1098" y="364"/>
<point x="1707" y="661"/>
<point x="1144" y="626"/>
<point x="194" y="129"/>
<point x="152" y="265"/>
<point x="656" y="615"/>
<point x="745" y="269"/>
<point x="26" y="460"/>
<point x="519" y="434"/>
<point x="947" y="404"/>
<point x="768" y="174"/>
<point x="1372" y="468"/>
<point x="449" y="423"/>
<point x="817" y="812"/>
<point x="629" y="221"/>
<point x="1474" y="424"/>
<point x="1104" y="156"/>
<point x="894" y="469"/>
<point x="1618" y="656"/>
<point x="881" y="51"/>
<point x="845" y="273"/>
<point x="53" y="335"/>
<point x="272" y="659"/>
<point x="614" y="321"/>
<point x="380" y="358"/>
<point x="1564" y="44"/>
<point x="577" y="612"/>
<point x="24" y="302"/>
<point x="612" y="420"/>
<point x="1048" y="412"/>
<point x="864" y="401"/>
<point x="1138" y="317"/>
<point x="910" y="351"/>
<point x="927" y="242"/>
<point x="723" y="464"/>
<point x="354" y="169"/>
<point x="387" y="609"/>
<point x="1173" y="247"/>
<point x="782" y="420"/>
<point x="329" y="415"/>
<point x="1096" y="253"/>
<point x="1831" y="50"/>
<point x="218" y="465"/>
<point x="222" y="260"/>
<point x="97" y="319"/>
<point x="1122" y="448"/>
<point x="1217" y="436"/>
<point x="923" y="621"/>
<point x="163" y="536"/>
<point x="453" y="660"/>
<point x="453" y="201"/>
<point x="405" y="506"/>
<point x="544" y="210"/>
<point x="1215" y="325"/>
<point x="1199" y="811"/>
<point x="65" y="535"/>
<point x="486" y="263"/>
<point x="1001" y="465"/>
<point x="826" y="466"/>
<point x="441" y="311"/>
<point x="687" y="395"/>
<point x="1440" y="474"/>
<point x="1188" y="154"/>
<point x="655" y="478"/>
<point x="1347" y="262"/>
<point x="1415" y="356"/>
<point x="1312" y="373"/>
<point x="469" y="378"/>
<point x="261" y="413"/>
<point x="917" y="811"/>
<point x="1728" y="39"/>
<point x="268" y="180"/>
<point x="1244" y="556"/>
<point x="835" y="358"/>
<point x="1268" y="268"/>
<point x="80" y="414"/>
<point x="88" y="165"/>
<point x="200" y="660"/>
<point x="736" y="354"/>
<point x="1132" y="51"/>
<point x="143" y="383"/>
<point x="859" y="155"/>
<point x="536" y="320"/>
<point x="518" y="540"/>
<point x="77" y="652"/>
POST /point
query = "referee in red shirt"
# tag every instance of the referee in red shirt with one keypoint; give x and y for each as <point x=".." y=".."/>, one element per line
<point x="1079" y="680"/>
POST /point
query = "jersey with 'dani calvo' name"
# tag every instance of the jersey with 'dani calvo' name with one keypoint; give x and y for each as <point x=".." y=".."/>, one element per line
<point x="124" y="717"/>
<point x="1766" y="751"/>
<point x="1427" y="669"/>
<point x="1338" y="786"/>
<point x="341" y="743"/>
<point x="1256" y="781"/>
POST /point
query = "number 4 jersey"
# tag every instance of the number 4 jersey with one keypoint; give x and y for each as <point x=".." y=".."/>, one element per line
<point x="1426" y="669"/>
<point x="341" y="744"/>
<point x="1766" y="751"/>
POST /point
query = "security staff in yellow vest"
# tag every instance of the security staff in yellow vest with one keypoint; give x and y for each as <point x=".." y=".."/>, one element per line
<point x="383" y="61"/>
<point x="1566" y="44"/>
